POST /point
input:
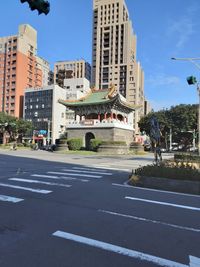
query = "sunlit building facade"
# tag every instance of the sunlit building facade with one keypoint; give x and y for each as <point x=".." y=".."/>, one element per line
<point x="20" y="68"/>
<point x="114" y="53"/>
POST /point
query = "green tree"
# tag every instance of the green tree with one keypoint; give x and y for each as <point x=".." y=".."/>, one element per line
<point x="22" y="127"/>
<point x="12" y="128"/>
<point x="181" y="118"/>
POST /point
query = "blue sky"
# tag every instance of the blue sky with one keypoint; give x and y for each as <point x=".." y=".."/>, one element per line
<point x="164" y="29"/>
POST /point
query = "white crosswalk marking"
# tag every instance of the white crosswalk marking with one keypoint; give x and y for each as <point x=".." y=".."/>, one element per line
<point x="10" y="199"/>
<point x="76" y="174"/>
<point x="87" y="171"/>
<point x="107" y="167"/>
<point x="40" y="191"/>
<point x="38" y="182"/>
<point x="58" y="178"/>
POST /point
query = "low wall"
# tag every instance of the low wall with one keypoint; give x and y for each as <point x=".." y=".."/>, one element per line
<point x="183" y="186"/>
<point x="113" y="149"/>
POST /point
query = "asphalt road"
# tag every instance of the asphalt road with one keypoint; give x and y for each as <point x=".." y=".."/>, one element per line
<point x="64" y="211"/>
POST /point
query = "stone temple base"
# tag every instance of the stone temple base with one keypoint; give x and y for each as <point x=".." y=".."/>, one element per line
<point x="104" y="134"/>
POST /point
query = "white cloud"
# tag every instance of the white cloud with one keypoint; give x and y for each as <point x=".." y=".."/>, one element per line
<point x="182" y="29"/>
<point x="162" y="80"/>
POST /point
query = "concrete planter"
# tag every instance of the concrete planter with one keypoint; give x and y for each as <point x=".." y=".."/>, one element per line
<point x="183" y="186"/>
<point x="136" y="147"/>
<point x="113" y="149"/>
<point x="62" y="145"/>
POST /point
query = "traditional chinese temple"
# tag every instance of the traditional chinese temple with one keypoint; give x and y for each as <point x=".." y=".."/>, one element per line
<point x="101" y="114"/>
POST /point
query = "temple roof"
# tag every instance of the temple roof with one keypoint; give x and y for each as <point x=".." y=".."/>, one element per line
<point x="98" y="97"/>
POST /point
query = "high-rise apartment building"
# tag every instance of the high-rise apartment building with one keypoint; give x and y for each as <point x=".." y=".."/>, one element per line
<point x="114" y="53"/>
<point x="71" y="70"/>
<point x="20" y="68"/>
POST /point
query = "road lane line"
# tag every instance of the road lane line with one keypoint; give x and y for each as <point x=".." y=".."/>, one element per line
<point x="163" y="203"/>
<point x="154" y="190"/>
<point x="77" y="174"/>
<point x="152" y="221"/>
<point x="84" y="171"/>
<point x="10" y="199"/>
<point x="194" y="261"/>
<point x="117" y="249"/>
<point x="40" y="191"/>
<point x="38" y="182"/>
<point x="58" y="178"/>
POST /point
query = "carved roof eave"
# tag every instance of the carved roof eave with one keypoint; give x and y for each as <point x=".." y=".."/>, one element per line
<point x="75" y="105"/>
<point x="79" y="104"/>
<point x="129" y="106"/>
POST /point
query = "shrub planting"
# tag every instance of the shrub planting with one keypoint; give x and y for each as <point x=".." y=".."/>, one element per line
<point x="75" y="143"/>
<point x="173" y="170"/>
<point x="94" y="144"/>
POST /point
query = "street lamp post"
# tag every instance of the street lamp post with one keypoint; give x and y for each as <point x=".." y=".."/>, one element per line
<point x="192" y="60"/>
<point x="48" y="131"/>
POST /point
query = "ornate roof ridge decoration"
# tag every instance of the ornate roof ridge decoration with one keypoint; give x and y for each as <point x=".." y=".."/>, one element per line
<point x="112" y="91"/>
<point x="99" y="97"/>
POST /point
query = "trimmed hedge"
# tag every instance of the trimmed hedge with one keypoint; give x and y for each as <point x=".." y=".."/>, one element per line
<point x="75" y="143"/>
<point x="94" y="144"/>
<point x="187" y="157"/>
<point x="179" y="172"/>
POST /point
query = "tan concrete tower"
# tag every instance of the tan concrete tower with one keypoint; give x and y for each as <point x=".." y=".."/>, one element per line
<point x="114" y="52"/>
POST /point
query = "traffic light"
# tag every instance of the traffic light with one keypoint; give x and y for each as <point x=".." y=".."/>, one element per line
<point x="191" y="80"/>
<point x="42" y="6"/>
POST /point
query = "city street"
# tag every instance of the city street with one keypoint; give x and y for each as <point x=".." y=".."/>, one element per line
<point x="69" y="210"/>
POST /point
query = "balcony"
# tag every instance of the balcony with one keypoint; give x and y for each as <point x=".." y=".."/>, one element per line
<point x="112" y="123"/>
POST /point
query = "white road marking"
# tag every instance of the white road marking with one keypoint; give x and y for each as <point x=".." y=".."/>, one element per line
<point x="45" y="176"/>
<point x="58" y="178"/>
<point x="154" y="190"/>
<point x="10" y="199"/>
<point x="152" y="221"/>
<point x="110" y="168"/>
<point x="37" y="182"/>
<point x="88" y="169"/>
<point x="84" y="171"/>
<point x="41" y="191"/>
<point x="77" y="174"/>
<point x="194" y="261"/>
<point x="119" y="250"/>
<point x="163" y="203"/>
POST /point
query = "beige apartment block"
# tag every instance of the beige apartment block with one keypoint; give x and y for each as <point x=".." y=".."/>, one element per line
<point x="18" y="69"/>
<point x="43" y="67"/>
<point x="114" y="53"/>
<point x="71" y="70"/>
